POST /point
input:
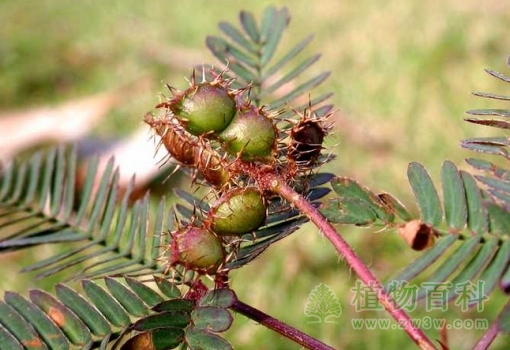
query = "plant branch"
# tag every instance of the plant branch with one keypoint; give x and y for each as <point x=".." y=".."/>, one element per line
<point x="488" y="337"/>
<point x="289" y="332"/>
<point x="493" y="331"/>
<point x="274" y="183"/>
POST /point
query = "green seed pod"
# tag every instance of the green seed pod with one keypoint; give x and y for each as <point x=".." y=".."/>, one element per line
<point x="197" y="249"/>
<point x="204" y="108"/>
<point x="251" y="134"/>
<point x="237" y="212"/>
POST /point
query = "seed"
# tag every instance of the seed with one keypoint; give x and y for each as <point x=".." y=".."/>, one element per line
<point x="204" y="108"/>
<point x="251" y="135"/>
<point x="196" y="248"/>
<point x="237" y="212"/>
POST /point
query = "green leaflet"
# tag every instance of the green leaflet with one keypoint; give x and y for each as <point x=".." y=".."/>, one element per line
<point x="463" y="251"/>
<point x="355" y="204"/>
<point x="89" y="315"/>
<point x="200" y="339"/>
<point x="477" y="220"/>
<point x="492" y="274"/>
<point x="127" y="299"/>
<point x="212" y="318"/>
<point x="49" y="332"/>
<point x="504" y="320"/>
<point x="16" y="327"/>
<point x="426" y="259"/>
<point x="455" y="207"/>
<point x="8" y="340"/>
<point x="425" y="194"/>
<point x="109" y="307"/>
<point x="74" y="329"/>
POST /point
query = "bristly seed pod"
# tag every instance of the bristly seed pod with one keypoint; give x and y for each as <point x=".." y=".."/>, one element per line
<point x="211" y="166"/>
<point x="306" y="141"/>
<point x="180" y="146"/>
<point x="204" y="108"/>
<point x="237" y="212"/>
<point x="190" y="151"/>
<point x="251" y="135"/>
<point x="196" y="248"/>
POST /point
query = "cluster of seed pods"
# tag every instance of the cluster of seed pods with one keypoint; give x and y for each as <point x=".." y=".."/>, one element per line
<point x="212" y="129"/>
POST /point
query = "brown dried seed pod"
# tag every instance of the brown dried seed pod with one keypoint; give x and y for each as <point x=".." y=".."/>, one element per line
<point x="190" y="151"/>
<point x="211" y="166"/>
<point x="178" y="144"/>
<point x="306" y="141"/>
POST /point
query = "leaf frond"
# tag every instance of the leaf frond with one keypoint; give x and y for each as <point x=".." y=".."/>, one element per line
<point x="252" y="55"/>
<point x="39" y="204"/>
<point x="111" y="312"/>
<point x="473" y="228"/>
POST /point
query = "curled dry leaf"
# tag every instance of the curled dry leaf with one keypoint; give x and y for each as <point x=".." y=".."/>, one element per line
<point x="417" y="235"/>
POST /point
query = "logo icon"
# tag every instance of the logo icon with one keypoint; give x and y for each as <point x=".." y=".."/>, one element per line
<point x="323" y="305"/>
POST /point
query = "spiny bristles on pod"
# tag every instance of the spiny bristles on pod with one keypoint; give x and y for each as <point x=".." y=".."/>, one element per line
<point x="196" y="248"/>
<point x="188" y="150"/>
<point x="178" y="144"/>
<point x="251" y="136"/>
<point x="212" y="166"/>
<point x="306" y="142"/>
<point x="237" y="212"/>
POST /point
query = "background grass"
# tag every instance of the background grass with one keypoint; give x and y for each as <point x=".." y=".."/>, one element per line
<point x="402" y="73"/>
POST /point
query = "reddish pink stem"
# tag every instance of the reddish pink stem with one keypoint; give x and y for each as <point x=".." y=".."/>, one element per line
<point x="275" y="184"/>
<point x="289" y="332"/>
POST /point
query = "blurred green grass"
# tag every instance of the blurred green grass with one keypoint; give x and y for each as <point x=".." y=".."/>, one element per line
<point x="402" y="73"/>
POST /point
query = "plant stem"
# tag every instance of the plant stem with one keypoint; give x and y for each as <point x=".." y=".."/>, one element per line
<point x="276" y="184"/>
<point x="488" y="337"/>
<point x="289" y="332"/>
<point x="493" y="331"/>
